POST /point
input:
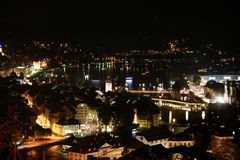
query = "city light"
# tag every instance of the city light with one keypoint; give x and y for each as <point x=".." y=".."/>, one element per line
<point x="43" y="121"/>
<point x="117" y="85"/>
<point x="220" y="99"/>
<point x="1" y="50"/>
<point x="203" y="115"/>
<point x="186" y="115"/>
<point x="20" y="67"/>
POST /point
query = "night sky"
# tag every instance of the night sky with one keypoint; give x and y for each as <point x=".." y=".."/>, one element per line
<point x="121" y="24"/>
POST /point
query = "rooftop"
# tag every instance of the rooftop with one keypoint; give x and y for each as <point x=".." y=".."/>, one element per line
<point x="95" y="142"/>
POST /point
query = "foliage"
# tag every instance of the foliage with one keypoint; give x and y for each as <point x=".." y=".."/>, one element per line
<point x="196" y="79"/>
<point x="123" y="113"/>
<point x="15" y="115"/>
<point x="105" y="113"/>
<point x="180" y="84"/>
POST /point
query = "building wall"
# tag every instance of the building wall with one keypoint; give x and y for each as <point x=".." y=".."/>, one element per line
<point x="146" y="121"/>
<point x="85" y="113"/>
<point x="219" y="78"/>
<point x="155" y="119"/>
<point x="157" y="142"/>
<point x="65" y="129"/>
<point x="142" y="139"/>
<point x="29" y="98"/>
<point x="88" y="118"/>
<point x="82" y="113"/>
<point x="166" y="142"/>
<point x="110" y="126"/>
<point x="111" y="153"/>
<point x="171" y="144"/>
<point x="143" y="123"/>
<point x="231" y="90"/>
<point x="77" y="156"/>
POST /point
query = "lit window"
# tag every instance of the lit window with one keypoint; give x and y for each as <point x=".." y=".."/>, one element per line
<point x="227" y="78"/>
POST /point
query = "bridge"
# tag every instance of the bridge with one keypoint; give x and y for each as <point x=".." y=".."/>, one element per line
<point x="36" y="144"/>
<point x="181" y="105"/>
<point x="150" y="91"/>
<point x="188" y="107"/>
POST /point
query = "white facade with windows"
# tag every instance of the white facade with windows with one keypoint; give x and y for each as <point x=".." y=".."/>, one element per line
<point x="63" y="130"/>
<point x="88" y="118"/>
<point x="105" y="151"/>
<point x="166" y="142"/>
<point x="85" y="113"/>
<point x="219" y="78"/>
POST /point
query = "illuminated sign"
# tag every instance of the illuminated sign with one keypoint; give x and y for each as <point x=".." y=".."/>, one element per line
<point x="212" y="78"/>
<point x="108" y="87"/>
<point x="129" y="82"/>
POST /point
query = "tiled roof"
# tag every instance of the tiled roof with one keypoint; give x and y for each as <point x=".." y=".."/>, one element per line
<point x="93" y="143"/>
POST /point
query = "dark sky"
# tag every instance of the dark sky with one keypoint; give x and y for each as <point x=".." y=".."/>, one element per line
<point x="120" y="24"/>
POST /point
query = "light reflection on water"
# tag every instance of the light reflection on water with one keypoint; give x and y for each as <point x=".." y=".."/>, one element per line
<point x="51" y="153"/>
<point x="142" y="71"/>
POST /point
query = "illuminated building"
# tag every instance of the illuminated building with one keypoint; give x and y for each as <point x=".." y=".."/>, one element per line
<point x="143" y="121"/>
<point x="85" y="113"/>
<point x="172" y="47"/>
<point x="214" y="91"/>
<point x="30" y="98"/>
<point x="18" y="70"/>
<point x="101" y="146"/>
<point x="108" y="85"/>
<point x="1" y="52"/>
<point x="129" y="83"/>
<point x="163" y="136"/>
<point x="87" y="117"/>
<point x="219" y="78"/>
<point x="43" y="121"/>
<point x="64" y="127"/>
<point x="106" y="151"/>
<point x="36" y="66"/>
<point x="231" y="91"/>
<point x="109" y="128"/>
<point x="146" y="121"/>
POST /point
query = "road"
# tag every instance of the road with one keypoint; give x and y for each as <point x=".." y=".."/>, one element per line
<point x="44" y="141"/>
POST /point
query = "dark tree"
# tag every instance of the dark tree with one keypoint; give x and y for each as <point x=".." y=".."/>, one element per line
<point x="180" y="84"/>
<point x="123" y="113"/>
<point x="105" y="113"/>
<point x="196" y="79"/>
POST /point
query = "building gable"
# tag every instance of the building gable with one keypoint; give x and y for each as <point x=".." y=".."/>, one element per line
<point x="105" y="145"/>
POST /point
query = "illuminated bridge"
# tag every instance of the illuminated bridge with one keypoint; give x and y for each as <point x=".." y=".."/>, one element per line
<point x="195" y="104"/>
<point x="188" y="109"/>
<point x="179" y="104"/>
<point x="150" y="91"/>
